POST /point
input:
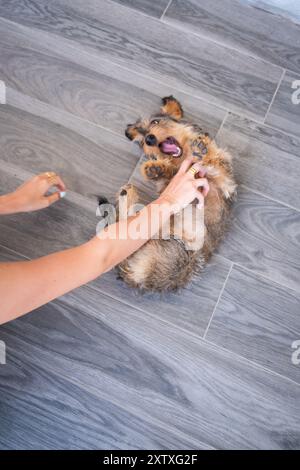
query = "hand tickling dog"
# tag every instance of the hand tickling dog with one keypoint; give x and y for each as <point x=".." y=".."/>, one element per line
<point x="166" y="140"/>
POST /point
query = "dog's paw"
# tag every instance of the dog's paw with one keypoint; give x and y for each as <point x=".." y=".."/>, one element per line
<point x="153" y="170"/>
<point x="125" y="190"/>
<point x="102" y="200"/>
<point x="199" y="146"/>
<point x="127" y="195"/>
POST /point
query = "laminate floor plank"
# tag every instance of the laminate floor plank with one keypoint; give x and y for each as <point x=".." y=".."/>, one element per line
<point x="189" y="309"/>
<point x="265" y="159"/>
<point x="65" y="224"/>
<point x="287" y="9"/>
<point x="105" y="367"/>
<point x="90" y="159"/>
<point x="260" y="320"/>
<point x="50" y="69"/>
<point x="285" y="110"/>
<point x="75" y="419"/>
<point x="241" y="26"/>
<point x="199" y="66"/>
<point x="82" y="358"/>
<point x="56" y="413"/>
<point x="150" y="8"/>
<point x="264" y="237"/>
<point x="7" y="255"/>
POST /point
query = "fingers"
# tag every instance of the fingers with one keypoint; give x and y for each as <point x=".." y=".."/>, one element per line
<point x="199" y="169"/>
<point x="185" y="165"/>
<point x="54" y="197"/>
<point x="56" y="181"/>
<point x="60" y="184"/>
<point x="188" y="163"/>
<point x="200" y="204"/>
<point x="53" y="179"/>
<point x="202" y="172"/>
<point x="202" y="183"/>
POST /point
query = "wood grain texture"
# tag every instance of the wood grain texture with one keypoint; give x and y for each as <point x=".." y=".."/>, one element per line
<point x="264" y="237"/>
<point x="259" y="320"/>
<point x="52" y="70"/>
<point x="75" y="420"/>
<point x="85" y="158"/>
<point x="125" y="36"/>
<point x="190" y="309"/>
<point x="155" y="8"/>
<point x="284" y="113"/>
<point x="65" y="224"/>
<point x="235" y="24"/>
<point x="104" y="367"/>
<point x="7" y="255"/>
<point x="265" y="159"/>
<point x="56" y="412"/>
<point x="288" y="8"/>
<point x="88" y="361"/>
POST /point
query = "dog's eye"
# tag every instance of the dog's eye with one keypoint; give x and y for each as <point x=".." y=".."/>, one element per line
<point x="155" y="121"/>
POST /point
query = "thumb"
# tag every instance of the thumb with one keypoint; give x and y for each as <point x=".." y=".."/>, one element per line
<point x="55" y="197"/>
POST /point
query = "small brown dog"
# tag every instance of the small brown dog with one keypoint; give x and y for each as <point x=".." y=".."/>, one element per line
<point x="166" y="139"/>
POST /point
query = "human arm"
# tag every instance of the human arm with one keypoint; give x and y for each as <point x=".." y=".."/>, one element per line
<point x="27" y="285"/>
<point x="33" y="194"/>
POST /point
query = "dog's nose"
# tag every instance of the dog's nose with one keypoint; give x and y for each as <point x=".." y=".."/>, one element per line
<point x="151" y="140"/>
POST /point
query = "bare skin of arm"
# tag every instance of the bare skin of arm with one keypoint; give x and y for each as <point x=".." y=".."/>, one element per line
<point x="27" y="285"/>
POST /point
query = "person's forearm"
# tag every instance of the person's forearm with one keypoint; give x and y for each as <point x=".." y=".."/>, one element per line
<point x="8" y="204"/>
<point x="27" y="285"/>
<point x="119" y="241"/>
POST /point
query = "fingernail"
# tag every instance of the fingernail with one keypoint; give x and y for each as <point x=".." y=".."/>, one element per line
<point x="62" y="194"/>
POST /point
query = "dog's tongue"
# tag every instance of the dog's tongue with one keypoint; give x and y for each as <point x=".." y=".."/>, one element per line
<point x="169" y="147"/>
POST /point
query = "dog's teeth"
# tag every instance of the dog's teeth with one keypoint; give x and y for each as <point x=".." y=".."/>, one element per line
<point x="176" y="154"/>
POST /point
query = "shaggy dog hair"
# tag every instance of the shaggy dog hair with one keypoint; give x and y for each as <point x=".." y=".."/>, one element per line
<point x="167" y="139"/>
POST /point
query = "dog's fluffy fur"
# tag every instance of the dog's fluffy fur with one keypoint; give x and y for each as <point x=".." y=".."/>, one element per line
<point x="164" y="265"/>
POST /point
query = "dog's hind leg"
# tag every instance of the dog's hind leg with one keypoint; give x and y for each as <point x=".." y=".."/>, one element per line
<point x="189" y="227"/>
<point x="126" y="199"/>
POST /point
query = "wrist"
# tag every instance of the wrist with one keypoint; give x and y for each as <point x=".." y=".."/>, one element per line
<point x="9" y="204"/>
<point x="164" y="201"/>
<point x="168" y="203"/>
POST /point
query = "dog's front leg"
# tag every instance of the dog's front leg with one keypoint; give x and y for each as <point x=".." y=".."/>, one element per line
<point x="199" y="146"/>
<point x="158" y="169"/>
<point x="126" y="200"/>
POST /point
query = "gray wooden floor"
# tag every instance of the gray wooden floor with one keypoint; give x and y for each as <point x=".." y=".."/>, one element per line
<point x="104" y="367"/>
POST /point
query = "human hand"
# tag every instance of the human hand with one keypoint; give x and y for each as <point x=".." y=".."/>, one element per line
<point x="188" y="184"/>
<point x="32" y="195"/>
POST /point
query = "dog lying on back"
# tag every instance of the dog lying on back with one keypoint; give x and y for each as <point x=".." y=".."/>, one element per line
<point x="166" y="140"/>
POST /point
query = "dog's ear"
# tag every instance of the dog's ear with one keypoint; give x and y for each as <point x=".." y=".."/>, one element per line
<point x="130" y="131"/>
<point x="135" y="132"/>
<point x="172" y="108"/>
